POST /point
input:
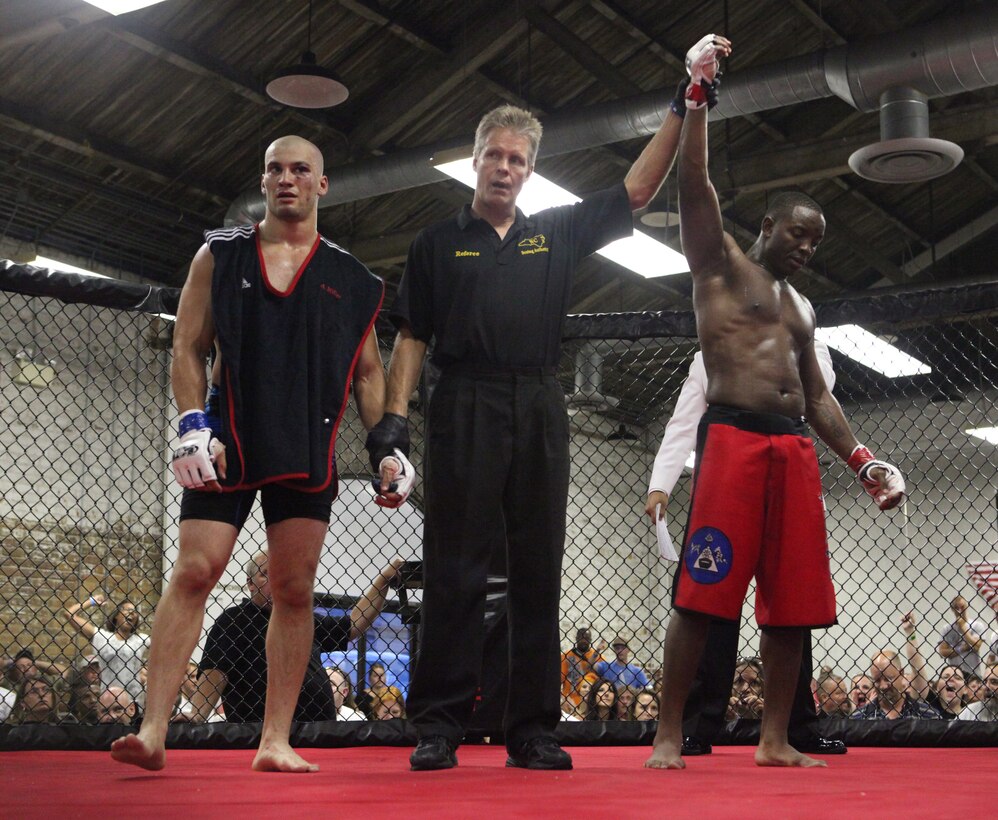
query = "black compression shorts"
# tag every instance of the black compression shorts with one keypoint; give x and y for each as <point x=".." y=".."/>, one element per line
<point x="279" y="504"/>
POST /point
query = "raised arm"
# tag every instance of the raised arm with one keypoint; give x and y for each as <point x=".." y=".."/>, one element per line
<point x="211" y="685"/>
<point x="370" y="605"/>
<point x="81" y="621"/>
<point x="919" y="682"/>
<point x="700" y="214"/>
<point x="650" y="169"/>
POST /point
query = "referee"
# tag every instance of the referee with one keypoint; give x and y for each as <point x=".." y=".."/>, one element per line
<point x="492" y="286"/>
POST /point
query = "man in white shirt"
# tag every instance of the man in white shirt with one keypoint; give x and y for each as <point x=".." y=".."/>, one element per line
<point x="705" y="708"/>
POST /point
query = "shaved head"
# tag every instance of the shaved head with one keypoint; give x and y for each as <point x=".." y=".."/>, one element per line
<point x="292" y="145"/>
<point x="292" y="181"/>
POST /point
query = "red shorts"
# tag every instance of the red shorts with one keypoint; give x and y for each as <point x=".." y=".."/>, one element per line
<point x="757" y="510"/>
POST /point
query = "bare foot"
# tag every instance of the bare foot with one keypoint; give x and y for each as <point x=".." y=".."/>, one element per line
<point x="133" y="749"/>
<point x="666" y="755"/>
<point x="784" y="756"/>
<point x="281" y="759"/>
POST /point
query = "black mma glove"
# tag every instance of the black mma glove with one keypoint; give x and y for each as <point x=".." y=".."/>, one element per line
<point x="389" y="434"/>
<point x="678" y="104"/>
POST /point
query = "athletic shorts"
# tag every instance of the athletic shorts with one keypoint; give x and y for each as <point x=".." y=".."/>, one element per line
<point x="757" y="510"/>
<point x="279" y="504"/>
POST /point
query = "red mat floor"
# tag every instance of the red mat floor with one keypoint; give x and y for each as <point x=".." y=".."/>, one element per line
<point x="606" y="782"/>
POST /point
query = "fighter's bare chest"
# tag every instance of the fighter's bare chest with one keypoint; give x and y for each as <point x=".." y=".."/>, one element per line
<point x="282" y="265"/>
<point x="770" y="303"/>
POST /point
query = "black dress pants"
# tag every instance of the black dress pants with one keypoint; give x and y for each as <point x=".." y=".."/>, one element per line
<point x="703" y="717"/>
<point x="496" y="469"/>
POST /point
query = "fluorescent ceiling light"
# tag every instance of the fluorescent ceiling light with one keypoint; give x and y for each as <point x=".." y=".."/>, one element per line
<point x="117" y="7"/>
<point x="989" y="434"/>
<point x="55" y="264"/>
<point x="871" y="351"/>
<point x="640" y="253"/>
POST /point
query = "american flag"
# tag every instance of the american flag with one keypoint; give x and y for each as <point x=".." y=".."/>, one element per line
<point x="985" y="578"/>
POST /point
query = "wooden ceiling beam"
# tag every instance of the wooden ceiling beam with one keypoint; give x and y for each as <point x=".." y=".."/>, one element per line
<point x="391" y="111"/>
<point x="90" y="145"/>
<point x="396" y="22"/>
<point x="577" y="49"/>
<point x="185" y="57"/>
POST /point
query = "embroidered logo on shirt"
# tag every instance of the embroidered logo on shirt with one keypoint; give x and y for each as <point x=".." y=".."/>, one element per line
<point x="708" y="556"/>
<point x="467" y="253"/>
<point x="246" y="284"/>
<point x="331" y="291"/>
<point x="533" y="244"/>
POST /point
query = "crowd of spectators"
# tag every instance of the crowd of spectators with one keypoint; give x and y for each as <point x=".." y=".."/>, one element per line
<point x="599" y="682"/>
<point x="961" y="685"/>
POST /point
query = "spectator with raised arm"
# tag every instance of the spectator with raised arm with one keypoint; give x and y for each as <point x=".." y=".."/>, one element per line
<point x="963" y="641"/>
<point x="234" y="664"/>
<point x="117" y="642"/>
<point x="918" y="679"/>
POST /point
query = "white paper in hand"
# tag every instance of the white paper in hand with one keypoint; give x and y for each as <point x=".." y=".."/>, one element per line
<point x="666" y="549"/>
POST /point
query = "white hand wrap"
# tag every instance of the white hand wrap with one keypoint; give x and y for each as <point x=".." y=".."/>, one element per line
<point x="701" y="60"/>
<point x="403" y="482"/>
<point x="194" y="460"/>
<point x="892" y="486"/>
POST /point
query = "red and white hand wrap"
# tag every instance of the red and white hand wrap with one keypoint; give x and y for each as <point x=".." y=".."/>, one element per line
<point x="402" y="483"/>
<point x="701" y="65"/>
<point x="887" y="491"/>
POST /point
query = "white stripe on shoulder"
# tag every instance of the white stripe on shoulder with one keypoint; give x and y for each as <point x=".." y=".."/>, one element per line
<point x="225" y="234"/>
<point x="334" y="246"/>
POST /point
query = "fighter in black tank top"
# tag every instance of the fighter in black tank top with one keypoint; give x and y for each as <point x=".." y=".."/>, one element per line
<point x="282" y="394"/>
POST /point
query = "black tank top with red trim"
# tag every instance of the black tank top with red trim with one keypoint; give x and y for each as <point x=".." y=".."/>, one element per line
<point x="287" y="358"/>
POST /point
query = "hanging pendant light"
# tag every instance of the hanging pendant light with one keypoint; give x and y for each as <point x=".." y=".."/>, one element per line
<point x="307" y="85"/>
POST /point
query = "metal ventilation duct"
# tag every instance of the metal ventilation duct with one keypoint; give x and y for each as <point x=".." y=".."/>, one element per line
<point x="588" y="393"/>
<point x="906" y="152"/>
<point x="950" y="55"/>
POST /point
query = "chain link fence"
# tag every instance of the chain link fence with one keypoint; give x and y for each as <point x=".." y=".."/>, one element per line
<point x="88" y="512"/>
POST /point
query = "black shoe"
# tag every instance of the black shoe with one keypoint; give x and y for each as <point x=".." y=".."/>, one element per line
<point x="693" y="746"/>
<point x="540" y="753"/>
<point x="820" y="746"/>
<point x="433" y="752"/>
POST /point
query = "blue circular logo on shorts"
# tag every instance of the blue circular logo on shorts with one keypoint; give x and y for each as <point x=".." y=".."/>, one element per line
<point x="708" y="556"/>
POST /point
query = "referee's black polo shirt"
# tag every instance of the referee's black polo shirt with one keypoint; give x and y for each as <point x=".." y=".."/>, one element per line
<point x="503" y="302"/>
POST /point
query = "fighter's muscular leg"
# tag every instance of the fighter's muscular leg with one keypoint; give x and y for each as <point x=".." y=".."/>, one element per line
<point x="294" y="547"/>
<point x="781" y="651"/>
<point x="684" y="644"/>
<point x="205" y="547"/>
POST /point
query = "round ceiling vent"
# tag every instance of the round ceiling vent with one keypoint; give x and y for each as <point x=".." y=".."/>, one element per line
<point x="911" y="159"/>
<point x="660" y="219"/>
